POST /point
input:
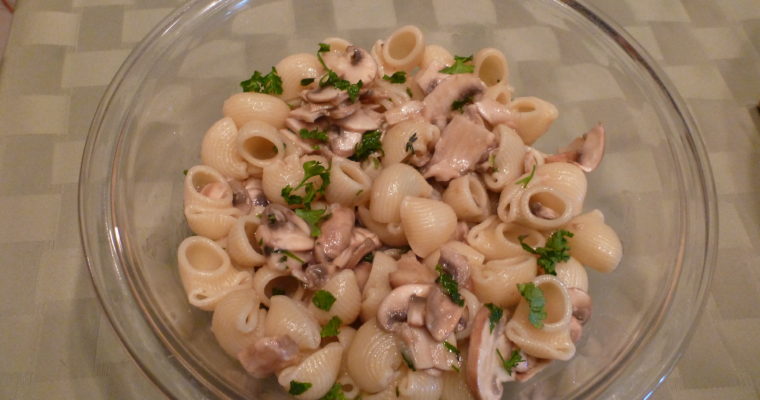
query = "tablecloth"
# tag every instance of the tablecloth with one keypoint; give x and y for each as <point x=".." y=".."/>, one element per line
<point x="55" y="341"/>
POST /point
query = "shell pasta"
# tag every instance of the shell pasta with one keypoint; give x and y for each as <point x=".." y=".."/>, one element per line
<point x="375" y="223"/>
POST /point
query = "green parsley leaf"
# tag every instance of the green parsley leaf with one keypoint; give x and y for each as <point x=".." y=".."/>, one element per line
<point x="297" y="388"/>
<point x="397" y="77"/>
<point x="278" y="291"/>
<point x="409" y="92"/>
<point x="460" y="66"/>
<point x="332" y="79"/>
<point x="312" y="218"/>
<point x="184" y="172"/>
<point x="525" y="181"/>
<point x="536" y="302"/>
<point x="332" y="328"/>
<point x="369" y="257"/>
<point x="369" y="144"/>
<point x="410" y="143"/>
<point x="316" y="134"/>
<point x="270" y="83"/>
<point x="455" y="368"/>
<point x="449" y="285"/>
<point x="556" y="250"/>
<point x="450" y="347"/>
<point x="510" y="364"/>
<point x="495" y="316"/>
<point x="307" y="81"/>
<point x="289" y="254"/>
<point x="310" y="169"/>
<point x="408" y="361"/>
<point x="323" y="48"/>
<point x="458" y="105"/>
<point x="323" y="300"/>
<point x="491" y="162"/>
<point x="335" y="393"/>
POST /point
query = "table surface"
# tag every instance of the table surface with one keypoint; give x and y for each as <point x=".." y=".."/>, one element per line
<point x="55" y="341"/>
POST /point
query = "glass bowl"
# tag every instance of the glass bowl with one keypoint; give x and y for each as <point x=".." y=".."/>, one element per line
<point x="654" y="185"/>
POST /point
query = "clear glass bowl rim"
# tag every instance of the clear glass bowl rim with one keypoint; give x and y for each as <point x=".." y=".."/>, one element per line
<point x="178" y="380"/>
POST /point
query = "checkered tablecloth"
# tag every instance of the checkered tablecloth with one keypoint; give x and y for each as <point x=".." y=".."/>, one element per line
<point x="55" y="342"/>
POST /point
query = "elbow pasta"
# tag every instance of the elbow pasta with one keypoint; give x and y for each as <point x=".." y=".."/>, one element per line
<point x="370" y="203"/>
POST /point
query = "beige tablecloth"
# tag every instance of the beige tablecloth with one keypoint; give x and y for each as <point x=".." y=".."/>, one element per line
<point x="55" y="342"/>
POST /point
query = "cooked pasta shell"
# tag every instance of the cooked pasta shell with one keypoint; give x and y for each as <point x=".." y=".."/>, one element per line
<point x="391" y="234"/>
<point x="500" y="92"/>
<point x="295" y="67"/>
<point x="213" y="223"/>
<point x="436" y="53"/>
<point x="219" y="149"/>
<point x="373" y="358"/>
<point x="347" y="298"/>
<point x="427" y="223"/>
<point x="552" y="341"/>
<point x="249" y="106"/>
<point x="391" y="187"/>
<point x="207" y="273"/>
<point x="533" y="117"/>
<point x="267" y="281"/>
<point x="455" y="387"/>
<point x="472" y="256"/>
<point x="286" y="172"/>
<point x="565" y="178"/>
<point x="320" y="369"/>
<point x="260" y="144"/>
<point x="349" y="184"/>
<point x="468" y="197"/>
<point x="498" y="240"/>
<point x="206" y="187"/>
<point x="289" y="317"/>
<point x="241" y="242"/>
<point x="594" y="243"/>
<point x="336" y="43"/>
<point x="236" y="317"/>
<point x="496" y="281"/>
<point x="491" y="66"/>
<point x="508" y="159"/>
<point x="543" y="208"/>
<point x="473" y="304"/>
<point x="378" y="284"/>
<point x="412" y="140"/>
<point x="419" y="385"/>
<point x="403" y="49"/>
<point x="572" y="274"/>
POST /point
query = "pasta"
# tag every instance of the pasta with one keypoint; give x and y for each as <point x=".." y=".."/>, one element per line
<point x="376" y="224"/>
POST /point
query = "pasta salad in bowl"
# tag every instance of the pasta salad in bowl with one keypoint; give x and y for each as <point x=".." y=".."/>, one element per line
<point x="395" y="213"/>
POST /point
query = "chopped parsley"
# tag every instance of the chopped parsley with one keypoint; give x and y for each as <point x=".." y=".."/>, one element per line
<point x="495" y="316"/>
<point x="323" y="300"/>
<point x="458" y="105"/>
<point x="270" y="83"/>
<point x="369" y="144"/>
<point x="536" y="302"/>
<point x="332" y="79"/>
<point x="278" y="291"/>
<point x="297" y="388"/>
<point x="409" y="92"/>
<point x="525" y="181"/>
<point x="272" y="219"/>
<point x="307" y="81"/>
<point x="556" y="250"/>
<point x="323" y="48"/>
<point x="510" y="364"/>
<point x="449" y="285"/>
<point x="288" y="254"/>
<point x="316" y="134"/>
<point x="335" y="393"/>
<point x="455" y="368"/>
<point x="408" y="362"/>
<point x="397" y="77"/>
<point x="310" y="169"/>
<point x="332" y="328"/>
<point x="312" y="218"/>
<point x="410" y="143"/>
<point x="460" y="66"/>
<point x="184" y="172"/>
<point x="450" y="347"/>
<point x="369" y="257"/>
<point x="491" y="162"/>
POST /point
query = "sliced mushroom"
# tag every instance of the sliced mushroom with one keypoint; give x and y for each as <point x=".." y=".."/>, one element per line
<point x="585" y="151"/>
<point x="268" y="355"/>
<point x="336" y="234"/>
<point x="363" y="242"/>
<point x="354" y="64"/>
<point x="495" y="113"/>
<point x="394" y="308"/>
<point x="429" y="78"/>
<point x="283" y="229"/>
<point x="322" y="94"/>
<point x="362" y="271"/>
<point x="214" y="190"/>
<point x="581" y="302"/>
<point x="484" y="371"/>
<point x="240" y="199"/>
<point x="422" y="352"/>
<point x="442" y="316"/>
<point x="462" y="146"/>
<point x="530" y="367"/>
<point x="539" y="210"/>
<point x="361" y="121"/>
<point x="343" y="142"/>
<point x="455" y="264"/>
<point x="405" y="111"/>
<point x="309" y="112"/>
<point x="410" y="270"/>
<point x="344" y="110"/>
<point x="460" y="87"/>
<point x="415" y="314"/>
<point x="314" y="276"/>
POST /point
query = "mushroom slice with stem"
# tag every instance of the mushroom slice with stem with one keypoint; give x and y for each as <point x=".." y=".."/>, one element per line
<point x="421" y="352"/>
<point x="585" y="151"/>
<point x="336" y="234"/>
<point x="284" y="230"/>
<point x="354" y="64"/>
<point x="442" y="316"/>
<point x="485" y="374"/>
<point x="363" y="241"/>
<point x="393" y="310"/>
<point x="455" y="264"/>
<point x="463" y="88"/>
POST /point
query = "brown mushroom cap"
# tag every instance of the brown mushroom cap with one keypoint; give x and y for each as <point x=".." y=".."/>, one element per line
<point x="585" y="151"/>
<point x="484" y="374"/>
<point x="581" y="302"/>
